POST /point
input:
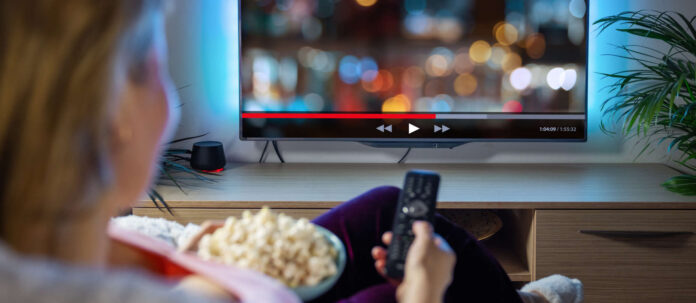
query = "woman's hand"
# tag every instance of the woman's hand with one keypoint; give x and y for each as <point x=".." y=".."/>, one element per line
<point x="429" y="265"/>
<point x="379" y="253"/>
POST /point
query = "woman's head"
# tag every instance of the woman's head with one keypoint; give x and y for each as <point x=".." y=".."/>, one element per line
<point x="84" y="102"/>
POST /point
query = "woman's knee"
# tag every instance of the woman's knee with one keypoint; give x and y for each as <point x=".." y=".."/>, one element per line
<point x="382" y="197"/>
<point x="378" y="200"/>
<point x="385" y="192"/>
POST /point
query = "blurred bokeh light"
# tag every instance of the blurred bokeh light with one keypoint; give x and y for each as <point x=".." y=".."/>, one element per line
<point x="413" y="55"/>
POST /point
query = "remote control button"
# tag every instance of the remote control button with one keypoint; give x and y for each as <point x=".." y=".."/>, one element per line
<point x="418" y="186"/>
<point x="417" y="209"/>
<point x="400" y="227"/>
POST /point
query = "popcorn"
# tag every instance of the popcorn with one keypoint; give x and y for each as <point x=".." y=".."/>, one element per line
<point x="290" y="250"/>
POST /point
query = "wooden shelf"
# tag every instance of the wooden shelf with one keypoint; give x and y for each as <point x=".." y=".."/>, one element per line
<point x="513" y="264"/>
<point x="509" y="245"/>
<point x="471" y="186"/>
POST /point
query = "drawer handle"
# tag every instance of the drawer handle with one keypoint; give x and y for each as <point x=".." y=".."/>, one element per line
<point x="634" y="234"/>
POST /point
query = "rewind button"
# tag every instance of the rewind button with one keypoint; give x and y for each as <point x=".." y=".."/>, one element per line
<point x="442" y="128"/>
<point x="382" y="128"/>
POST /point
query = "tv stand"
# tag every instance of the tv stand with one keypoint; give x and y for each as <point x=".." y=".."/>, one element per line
<point x="449" y="145"/>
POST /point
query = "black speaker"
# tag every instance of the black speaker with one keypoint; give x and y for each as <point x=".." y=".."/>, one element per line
<point x="208" y="156"/>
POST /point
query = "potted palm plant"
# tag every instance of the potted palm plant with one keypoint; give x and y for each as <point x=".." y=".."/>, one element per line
<point x="656" y="99"/>
<point x="170" y="162"/>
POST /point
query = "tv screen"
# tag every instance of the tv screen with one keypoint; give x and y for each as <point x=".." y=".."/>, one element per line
<point x="413" y="70"/>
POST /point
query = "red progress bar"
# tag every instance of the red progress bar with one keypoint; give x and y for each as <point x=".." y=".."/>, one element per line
<point x="336" y="116"/>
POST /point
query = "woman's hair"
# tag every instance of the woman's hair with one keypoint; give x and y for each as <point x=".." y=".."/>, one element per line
<point x="61" y="62"/>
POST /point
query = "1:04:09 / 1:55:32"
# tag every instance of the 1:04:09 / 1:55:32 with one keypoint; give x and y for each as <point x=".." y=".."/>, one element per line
<point x="571" y="129"/>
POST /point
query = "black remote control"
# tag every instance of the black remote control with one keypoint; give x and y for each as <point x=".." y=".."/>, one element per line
<point x="417" y="202"/>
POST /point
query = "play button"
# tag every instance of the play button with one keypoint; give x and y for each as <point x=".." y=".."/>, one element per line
<point x="412" y="128"/>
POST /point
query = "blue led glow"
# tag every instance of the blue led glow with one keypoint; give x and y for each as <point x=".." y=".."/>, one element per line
<point x="218" y="56"/>
<point x="349" y="69"/>
<point x="599" y="60"/>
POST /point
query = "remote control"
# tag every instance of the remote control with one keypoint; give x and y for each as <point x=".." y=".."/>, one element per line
<point x="416" y="203"/>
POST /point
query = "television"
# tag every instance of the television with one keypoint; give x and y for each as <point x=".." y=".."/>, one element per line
<point x="413" y="72"/>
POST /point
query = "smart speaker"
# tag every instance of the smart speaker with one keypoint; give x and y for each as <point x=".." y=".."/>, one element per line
<point x="208" y="156"/>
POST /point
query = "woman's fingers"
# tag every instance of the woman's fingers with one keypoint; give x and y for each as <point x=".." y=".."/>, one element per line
<point x="387" y="237"/>
<point x="380" y="265"/>
<point x="379" y="253"/>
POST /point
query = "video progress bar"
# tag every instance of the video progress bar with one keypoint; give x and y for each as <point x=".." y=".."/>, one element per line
<point x="336" y="116"/>
<point x="511" y="116"/>
<point x="413" y="116"/>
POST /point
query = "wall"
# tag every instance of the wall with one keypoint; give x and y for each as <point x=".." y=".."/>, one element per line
<point x="203" y="62"/>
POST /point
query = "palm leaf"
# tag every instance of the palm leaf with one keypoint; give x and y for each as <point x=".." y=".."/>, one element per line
<point x="168" y="165"/>
<point x="656" y="100"/>
<point x="187" y="138"/>
<point x="683" y="184"/>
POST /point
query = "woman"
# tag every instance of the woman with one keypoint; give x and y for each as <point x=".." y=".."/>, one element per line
<point x="85" y="106"/>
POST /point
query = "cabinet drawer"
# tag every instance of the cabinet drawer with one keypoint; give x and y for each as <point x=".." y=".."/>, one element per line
<point x="621" y="256"/>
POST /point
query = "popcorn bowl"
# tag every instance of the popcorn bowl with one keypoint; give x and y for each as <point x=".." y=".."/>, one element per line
<point x="307" y="293"/>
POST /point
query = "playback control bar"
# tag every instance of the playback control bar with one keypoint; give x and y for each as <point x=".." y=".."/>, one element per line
<point x="412" y="128"/>
<point x="450" y="126"/>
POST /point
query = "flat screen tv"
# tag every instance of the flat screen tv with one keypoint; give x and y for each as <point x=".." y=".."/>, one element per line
<point x="413" y="72"/>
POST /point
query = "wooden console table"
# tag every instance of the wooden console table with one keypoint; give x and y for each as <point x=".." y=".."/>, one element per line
<point x="611" y="225"/>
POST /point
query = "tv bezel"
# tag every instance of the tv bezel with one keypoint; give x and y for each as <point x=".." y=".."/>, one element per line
<point x="410" y="142"/>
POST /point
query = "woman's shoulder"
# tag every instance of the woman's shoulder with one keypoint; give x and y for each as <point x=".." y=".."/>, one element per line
<point x="25" y="279"/>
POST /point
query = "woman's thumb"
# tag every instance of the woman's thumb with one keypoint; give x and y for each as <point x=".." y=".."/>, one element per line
<point x="423" y="231"/>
